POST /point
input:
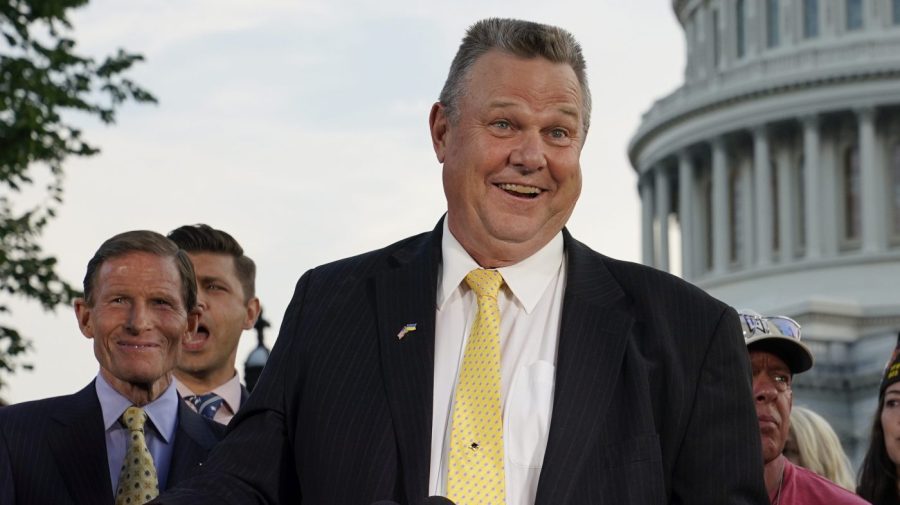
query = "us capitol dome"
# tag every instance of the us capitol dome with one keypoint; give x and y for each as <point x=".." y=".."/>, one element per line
<point x="771" y="179"/>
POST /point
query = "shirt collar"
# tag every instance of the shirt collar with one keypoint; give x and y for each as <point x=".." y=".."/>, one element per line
<point x="527" y="279"/>
<point x="229" y="391"/>
<point x="163" y="411"/>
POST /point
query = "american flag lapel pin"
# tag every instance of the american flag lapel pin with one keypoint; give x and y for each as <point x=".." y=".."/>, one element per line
<point x="406" y="329"/>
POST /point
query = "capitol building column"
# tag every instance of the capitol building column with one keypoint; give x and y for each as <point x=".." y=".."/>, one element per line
<point x="870" y="185"/>
<point x="762" y="172"/>
<point x="686" y="212"/>
<point x="721" y="224"/>
<point x="647" y="245"/>
<point x="663" y="207"/>
<point x="812" y="185"/>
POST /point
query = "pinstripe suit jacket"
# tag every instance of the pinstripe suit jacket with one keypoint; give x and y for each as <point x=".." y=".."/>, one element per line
<point x="652" y="402"/>
<point x="53" y="451"/>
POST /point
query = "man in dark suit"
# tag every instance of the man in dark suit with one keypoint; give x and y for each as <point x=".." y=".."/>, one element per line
<point x="497" y="359"/>
<point x="226" y="297"/>
<point x="138" y="305"/>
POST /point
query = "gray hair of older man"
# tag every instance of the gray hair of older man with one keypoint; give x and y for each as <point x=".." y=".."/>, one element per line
<point x="520" y="38"/>
<point x="147" y="242"/>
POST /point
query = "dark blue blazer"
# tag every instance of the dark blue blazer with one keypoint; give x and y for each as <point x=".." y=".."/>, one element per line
<point x="53" y="451"/>
<point x="652" y="402"/>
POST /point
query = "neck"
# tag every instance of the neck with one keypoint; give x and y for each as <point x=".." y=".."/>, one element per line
<point x="773" y="472"/>
<point x="139" y="394"/>
<point x="202" y="383"/>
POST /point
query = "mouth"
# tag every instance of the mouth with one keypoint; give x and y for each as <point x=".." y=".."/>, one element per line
<point x="137" y="346"/>
<point x="521" y="190"/>
<point x="196" y="340"/>
<point x="767" y="420"/>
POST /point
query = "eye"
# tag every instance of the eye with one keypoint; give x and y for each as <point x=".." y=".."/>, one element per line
<point x="212" y="286"/>
<point x="559" y="133"/>
<point x="890" y="403"/>
<point x="782" y="382"/>
<point x="502" y="124"/>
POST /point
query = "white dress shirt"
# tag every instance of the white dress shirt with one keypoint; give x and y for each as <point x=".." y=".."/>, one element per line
<point x="230" y="392"/>
<point x="530" y="307"/>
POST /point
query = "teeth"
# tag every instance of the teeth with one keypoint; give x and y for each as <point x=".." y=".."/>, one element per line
<point x="518" y="188"/>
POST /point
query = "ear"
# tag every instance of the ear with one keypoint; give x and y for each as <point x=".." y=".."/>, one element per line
<point x="439" y="125"/>
<point x="83" y="314"/>
<point x="252" y="313"/>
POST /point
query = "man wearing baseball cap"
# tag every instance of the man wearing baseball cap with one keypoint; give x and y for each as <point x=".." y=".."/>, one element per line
<point x="776" y="354"/>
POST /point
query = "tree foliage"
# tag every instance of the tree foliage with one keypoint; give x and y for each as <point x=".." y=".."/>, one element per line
<point x="42" y="82"/>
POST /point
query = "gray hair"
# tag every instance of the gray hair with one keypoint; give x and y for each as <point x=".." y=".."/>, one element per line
<point x="520" y="38"/>
<point x="147" y="242"/>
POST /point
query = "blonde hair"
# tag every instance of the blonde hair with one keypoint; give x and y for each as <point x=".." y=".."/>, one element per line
<point x="819" y="447"/>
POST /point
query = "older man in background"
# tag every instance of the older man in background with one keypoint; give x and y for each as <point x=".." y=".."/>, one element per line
<point x="776" y="354"/>
<point x="125" y="436"/>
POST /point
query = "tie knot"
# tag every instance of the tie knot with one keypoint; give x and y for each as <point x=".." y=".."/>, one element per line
<point x="207" y="404"/>
<point x="484" y="282"/>
<point x="134" y="418"/>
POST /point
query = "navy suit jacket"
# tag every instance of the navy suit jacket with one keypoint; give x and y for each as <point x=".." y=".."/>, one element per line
<point x="53" y="451"/>
<point x="652" y="402"/>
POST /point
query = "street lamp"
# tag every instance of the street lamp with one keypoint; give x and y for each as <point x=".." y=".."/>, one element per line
<point x="257" y="358"/>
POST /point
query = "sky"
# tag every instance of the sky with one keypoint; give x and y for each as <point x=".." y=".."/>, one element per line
<point x="300" y="127"/>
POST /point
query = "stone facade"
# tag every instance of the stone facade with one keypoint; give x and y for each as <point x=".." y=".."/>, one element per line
<point x="771" y="178"/>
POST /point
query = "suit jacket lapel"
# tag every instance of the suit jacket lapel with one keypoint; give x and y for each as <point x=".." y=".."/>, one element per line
<point x="593" y="335"/>
<point x="79" y="446"/>
<point x="193" y="441"/>
<point x="406" y="295"/>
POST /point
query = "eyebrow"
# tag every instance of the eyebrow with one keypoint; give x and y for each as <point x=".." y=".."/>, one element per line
<point x="565" y="109"/>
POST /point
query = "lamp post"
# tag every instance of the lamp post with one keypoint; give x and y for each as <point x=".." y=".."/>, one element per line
<point x="257" y="358"/>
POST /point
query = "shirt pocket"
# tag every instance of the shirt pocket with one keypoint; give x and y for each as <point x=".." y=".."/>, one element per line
<point x="527" y="418"/>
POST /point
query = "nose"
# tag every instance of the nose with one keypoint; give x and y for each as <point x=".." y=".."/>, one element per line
<point x="528" y="156"/>
<point x="138" y="319"/>
<point x="764" y="390"/>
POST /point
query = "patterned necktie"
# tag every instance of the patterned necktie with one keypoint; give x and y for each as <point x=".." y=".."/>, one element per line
<point x="207" y="404"/>
<point x="137" y="480"/>
<point x="475" y="475"/>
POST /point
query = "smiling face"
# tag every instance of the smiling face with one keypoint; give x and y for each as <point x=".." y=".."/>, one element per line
<point x="890" y="422"/>
<point x="511" y="172"/>
<point x="224" y="314"/>
<point x="773" y="399"/>
<point x="137" y="319"/>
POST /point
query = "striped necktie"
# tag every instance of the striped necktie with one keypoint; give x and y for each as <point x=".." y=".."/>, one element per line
<point x="207" y="404"/>
<point x="475" y="475"/>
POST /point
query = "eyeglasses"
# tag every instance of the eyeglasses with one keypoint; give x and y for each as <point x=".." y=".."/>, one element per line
<point x="754" y="325"/>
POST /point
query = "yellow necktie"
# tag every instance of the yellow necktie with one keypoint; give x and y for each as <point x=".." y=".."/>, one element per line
<point x="475" y="475"/>
<point x="137" y="480"/>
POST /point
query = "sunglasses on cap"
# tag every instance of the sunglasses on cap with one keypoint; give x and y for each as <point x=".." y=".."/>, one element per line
<point x="755" y="325"/>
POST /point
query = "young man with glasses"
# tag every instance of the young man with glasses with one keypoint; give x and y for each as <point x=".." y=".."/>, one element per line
<point x="776" y="354"/>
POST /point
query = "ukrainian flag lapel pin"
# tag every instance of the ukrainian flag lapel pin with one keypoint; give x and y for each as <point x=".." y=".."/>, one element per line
<point x="406" y="329"/>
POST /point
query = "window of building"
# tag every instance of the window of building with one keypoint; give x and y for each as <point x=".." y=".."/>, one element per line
<point x="773" y="35"/>
<point x="854" y="14"/>
<point x="811" y="18"/>
<point x="896" y="11"/>
<point x="741" y="29"/>
<point x="852" y="208"/>
<point x="895" y="188"/>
